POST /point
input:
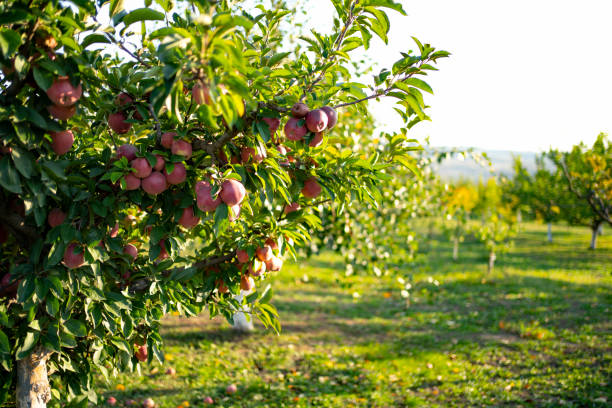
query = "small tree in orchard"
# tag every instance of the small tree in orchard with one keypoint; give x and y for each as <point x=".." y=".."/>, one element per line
<point x="458" y="203"/>
<point x="168" y="178"/>
<point x="497" y="224"/>
<point x="588" y="173"/>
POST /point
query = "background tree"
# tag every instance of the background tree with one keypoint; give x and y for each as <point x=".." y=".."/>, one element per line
<point x="458" y="203"/>
<point x="160" y="181"/>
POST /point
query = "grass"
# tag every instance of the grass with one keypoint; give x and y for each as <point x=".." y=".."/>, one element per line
<point x="537" y="333"/>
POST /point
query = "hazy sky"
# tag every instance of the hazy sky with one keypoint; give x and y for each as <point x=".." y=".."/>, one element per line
<point x="524" y="74"/>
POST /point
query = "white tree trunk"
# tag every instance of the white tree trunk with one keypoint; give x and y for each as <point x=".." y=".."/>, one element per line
<point x="243" y="321"/>
<point x="455" y="248"/>
<point x="491" y="262"/>
<point x="33" y="389"/>
<point x="594" y="238"/>
<point x="550" y="232"/>
<point x="600" y="229"/>
<point x="519" y="216"/>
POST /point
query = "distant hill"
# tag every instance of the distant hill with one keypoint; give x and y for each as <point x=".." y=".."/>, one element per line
<point x="454" y="169"/>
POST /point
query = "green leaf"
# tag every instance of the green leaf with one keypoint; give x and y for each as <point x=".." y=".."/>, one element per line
<point x="67" y="340"/>
<point x="23" y="161"/>
<point x="29" y="342"/>
<point x="9" y="42"/>
<point x="9" y="177"/>
<point x="419" y="83"/>
<point x="221" y="219"/>
<point x="76" y="328"/>
<point x="94" y="38"/>
<point x="386" y="3"/>
<point x="14" y="15"/>
<point x="116" y="6"/>
<point x="5" y="347"/>
<point x="52" y="305"/>
<point x="44" y="79"/>
<point x="142" y="14"/>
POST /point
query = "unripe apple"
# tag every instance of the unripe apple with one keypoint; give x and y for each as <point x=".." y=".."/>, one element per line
<point x="114" y="231"/>
<point x="117" y="123"/>
<point x="155" y="184"/>
<point x="131" y="250"/>
<point x="274" y="264"/>
<point x="316" y="120"/>
<point x="256" y="268"/>
<point x="316" y="140"/>
<point x="204" y="197"/>
<point x="61" y="142"/>
<point x="141" y="166"/>
<point x="294" y="131"/>
<point x="171" y="371"/>
<point x="221" y="287"/>
<point x="56" y="217"/>
<point x="188" y="218"/>
<point x="208" y="400"/>
<point x="178" y="174"/>
<point x="242" y="256"/>
<point x="311" y="188"/>
<point x="232" y="192"/>
<point x="62" y="112"/>
<point x="247" y="283"/>
<point x="62" y="93"/>
<point x="72" y="257"/>
<point x="234" y="212"/>
<point x="181" y="148"/>
<point x="264" y="253"/>
<point x="148" y="403"/>
<point x="332" y="116"/>
<point x="167" y="139"/>
<point x="231" y="389"/>
<point x="123" y="99"/>
<point x="289" y="208"/>
<point x="111" y="400"/>
<point x="131" y="182"/>
<point x="272" y="244"/>
<point x="299" y="110"/>
<point x="160" y="163"/>
<point x="201" y="93"/>
<point x="142" y="353"/>
<point x="128" y="151"/>
<point x="273" y="125"/>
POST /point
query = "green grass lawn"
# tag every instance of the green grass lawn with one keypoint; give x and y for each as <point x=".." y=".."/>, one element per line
<point x="537" y="333"/>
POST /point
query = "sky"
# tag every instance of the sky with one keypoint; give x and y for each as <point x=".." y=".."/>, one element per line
<point x="524" y="75"/>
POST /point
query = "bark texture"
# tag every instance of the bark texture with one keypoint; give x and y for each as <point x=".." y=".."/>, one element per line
<point x="33" y="389"/>
<point x="491" y="263"/>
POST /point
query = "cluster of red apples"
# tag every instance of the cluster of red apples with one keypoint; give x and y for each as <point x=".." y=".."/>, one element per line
<point x="64" y="97"/>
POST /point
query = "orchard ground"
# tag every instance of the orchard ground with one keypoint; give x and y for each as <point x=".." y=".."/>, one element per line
<point x="537" y="333"/>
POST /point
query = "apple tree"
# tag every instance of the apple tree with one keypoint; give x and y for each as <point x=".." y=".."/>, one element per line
<point x="158" y="159"/>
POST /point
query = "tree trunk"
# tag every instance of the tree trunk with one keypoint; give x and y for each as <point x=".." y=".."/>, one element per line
<point x="243" y="322"/>
<point x="600" y="229"/>
<point x="519" y="216"/>
<point x="33" y="389"/>
<point x="455" y="248"/>
<point x="594" y="229"/>
<point x="550" y="232"/>
<point x="491" y="262"/>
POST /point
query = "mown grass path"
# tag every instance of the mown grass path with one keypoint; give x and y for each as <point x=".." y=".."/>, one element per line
<point x="538" y="333"/>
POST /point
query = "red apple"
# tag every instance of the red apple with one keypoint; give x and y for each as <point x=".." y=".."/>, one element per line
<point x="299" y="110"/>
<point x="148" y="403"/>
<point x="232" y="192"/>
<point x="311" y="188"/>
<point x="208" y="400"/>
<point x="242" y="256"/>
<point x="141" y="167"/>
<point x="131" y="250"/>
<point x="114" y="231"/>
<point x="178" y="174"/>
<point x="181" y="148"/>
<point x="332" y="116"/>
<point x="123" y="99"/>
<point x="281" y="149"/>
<point x="273" y="125"/>
<point x="62" y="93"/>
<point x="171" y="371"/>
<point x="264" y="253"/>
<point x="221" y="286"/>
<point x="163" y="254"/>
<point x="111" y="400"/>
<point x="316" y="120"/>
<point x="128" y="151"/>
<point x="61" y="112"/>
<point x="272" y="244"/>
<point x="167" y="139"/>
<point x="56" y="217"/>
<point x="61" y="142"/>
<point x="231" y="389"/>
<point x="72" y="257"/>
<point x="248" y="153"/>
<point x="160" y="163"/>
<point x="132" y="182"/>
<point x="201" y="93"/>
<point x="274" y="264"/>
<point x="316" y="140"/>
<point x="204" y="198"/>
<point x="142" y="353"/>
<point x="289" y="208"/>
<point x="155" y="184"/>
<point x="294" y="131"/>
<point x="256" y="268"/>
<point x="247" y="283"/>
<point x="117" y="123"/>
<point x="188" y="218"/>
